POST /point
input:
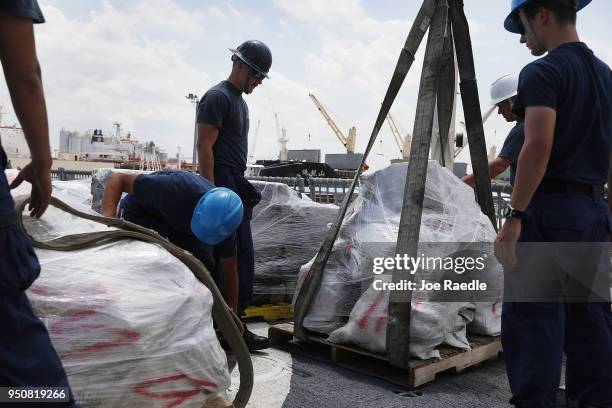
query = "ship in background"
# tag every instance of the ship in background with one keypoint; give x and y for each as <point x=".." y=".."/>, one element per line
<point x="124" y="151"/>
<point x="13" y="140"/>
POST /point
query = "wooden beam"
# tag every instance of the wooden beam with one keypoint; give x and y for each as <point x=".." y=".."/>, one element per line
<point x="312" y="282"/>
<point x="398" y="326"/>
<point x="471" y="109"/>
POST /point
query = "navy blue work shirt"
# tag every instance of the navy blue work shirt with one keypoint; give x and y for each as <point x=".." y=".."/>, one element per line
<point x="578" y="86"/>
<point x="23" y="8"/>
<point x="223" y="107"/>
<point x="512" y="148"/>
<point x="164" y="202"/>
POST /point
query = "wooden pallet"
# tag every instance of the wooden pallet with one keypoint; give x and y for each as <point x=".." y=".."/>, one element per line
<point x="366" y="362"/>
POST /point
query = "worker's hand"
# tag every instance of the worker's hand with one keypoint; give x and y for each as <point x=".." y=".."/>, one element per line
<point x="39" y="175"/>
<point x="505" y="242"/>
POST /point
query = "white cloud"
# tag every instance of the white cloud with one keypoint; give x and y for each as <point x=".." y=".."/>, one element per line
<point x="476" y="27"/>
<point x="167" y="15"/>
<point x="216" y="12"/>
<point x="233" y="10"/>
<point x="95" y="72"/>
<point x="134" y="61"/>
<point x="323" y="11"/>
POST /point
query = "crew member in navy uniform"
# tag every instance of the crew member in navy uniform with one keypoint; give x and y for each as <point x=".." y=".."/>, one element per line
<point x="184" y="208"/>
<point x="558" y="196"/>
<point x="27" y="357"/>
<point x="503" y="93"/>
<point x="223" y="128"/>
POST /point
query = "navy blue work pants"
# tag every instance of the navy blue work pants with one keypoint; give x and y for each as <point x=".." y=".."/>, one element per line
<point x="535" y="335"/>
<point x="244" y="242"/>
<point x="27" y="357"/>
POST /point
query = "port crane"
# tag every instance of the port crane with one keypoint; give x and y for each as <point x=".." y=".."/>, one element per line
<point x="403" y="143"/>
<point x="282" y="139"/>
<point x="485" y="117"/>
<point x="348" y="142"/>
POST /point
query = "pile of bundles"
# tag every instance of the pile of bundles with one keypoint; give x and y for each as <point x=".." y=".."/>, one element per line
<point x="350" y="310"/>
<point x="287" y="229"/>
<point x="130" y="322"/>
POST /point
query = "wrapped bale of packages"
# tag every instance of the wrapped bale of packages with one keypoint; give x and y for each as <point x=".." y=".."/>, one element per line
<point x="287" y="228"/>
<point x="351" y="310"/>
<point x="98" y="181"/>
<point x="131" y="323"/>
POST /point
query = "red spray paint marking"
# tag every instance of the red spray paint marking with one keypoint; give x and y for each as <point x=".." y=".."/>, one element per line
<point x="72" y="321"/>
<point x="348" y="248"/>
<point x="177" y="397"/>
<point x="69" y="323"/>
<point x="39" y="290"/>
<point x="494" y="306"/>
<point x="363" y="322"/>
<point x="123" y="338"/>
<point x="381" y="320"/>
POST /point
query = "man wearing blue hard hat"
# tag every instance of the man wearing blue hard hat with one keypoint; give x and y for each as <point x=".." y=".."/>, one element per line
<point x="187" y="210"/>
<point x="223" y="128"/>
<point x="566" y="101"/>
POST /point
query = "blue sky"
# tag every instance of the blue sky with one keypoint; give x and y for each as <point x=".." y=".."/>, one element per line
<point x="134" y="61"/>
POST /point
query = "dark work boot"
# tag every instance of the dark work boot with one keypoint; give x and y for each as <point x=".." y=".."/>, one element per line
<point x="253" y="341"/>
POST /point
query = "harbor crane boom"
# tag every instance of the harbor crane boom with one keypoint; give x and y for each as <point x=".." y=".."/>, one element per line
<point x="485" y="117"/>
<point x="403" y="144"/>
<point x="348" y="142"/>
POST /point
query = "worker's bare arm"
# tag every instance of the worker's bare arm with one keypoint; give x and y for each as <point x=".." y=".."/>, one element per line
<point x="23" y="78"/>
<point x="207" y="136"/>
<point x="496" y="167"/>
<point x="116" y="185"/>
<point x="532" y="162"/>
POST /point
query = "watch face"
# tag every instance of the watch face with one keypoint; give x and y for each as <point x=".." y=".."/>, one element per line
<point x="507" y="211"/>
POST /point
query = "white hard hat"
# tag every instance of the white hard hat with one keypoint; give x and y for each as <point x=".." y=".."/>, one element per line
<point x="503" y="88"/>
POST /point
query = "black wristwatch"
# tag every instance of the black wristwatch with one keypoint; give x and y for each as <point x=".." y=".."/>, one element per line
<point x="511" y="212"/>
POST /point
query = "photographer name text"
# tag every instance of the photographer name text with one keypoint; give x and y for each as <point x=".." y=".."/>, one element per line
<point x="449" y="285"/>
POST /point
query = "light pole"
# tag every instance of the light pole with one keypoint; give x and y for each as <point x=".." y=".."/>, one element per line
<point x="193" y="98"/>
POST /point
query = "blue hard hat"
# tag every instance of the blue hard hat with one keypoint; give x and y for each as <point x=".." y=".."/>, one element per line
<point x="217" y="215"/>
<point x="516" y="5"/>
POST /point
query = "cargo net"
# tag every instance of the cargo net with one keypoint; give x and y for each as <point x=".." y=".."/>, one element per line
<point x="350" y="310"/>
<point x="130" y="322"/>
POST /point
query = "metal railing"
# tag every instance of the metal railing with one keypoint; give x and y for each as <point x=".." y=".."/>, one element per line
<point x="333" y="190"/>
<point x="320" y="190"/>
<point x="66" y="175"/>
<point x="501" y="197"/>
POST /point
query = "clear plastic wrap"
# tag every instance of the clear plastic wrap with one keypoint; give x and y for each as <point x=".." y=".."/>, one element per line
<point x="450" y="216"/>
<point x="431" y="323"/>
<point x="287" y="229"/>
<point x="130" y="322"/>
<point x="487" y="318"/>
